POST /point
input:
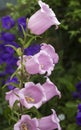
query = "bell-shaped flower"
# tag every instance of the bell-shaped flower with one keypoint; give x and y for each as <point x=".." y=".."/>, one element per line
<point x="7" y="22"/>
<point x="32" y="95"/>
<point x="51" y="52"/>
<point x="26" y="123"/>
<point x="50" y="122"/>
<point x="12" y="96"/>
<point x="43" y="19"/>
<point x="50" y="90"/>
<point x="40" y="63"/>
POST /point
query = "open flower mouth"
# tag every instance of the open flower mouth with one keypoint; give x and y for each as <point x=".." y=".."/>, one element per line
<point x="23" y="126"/>
<point x="30" y="99"/>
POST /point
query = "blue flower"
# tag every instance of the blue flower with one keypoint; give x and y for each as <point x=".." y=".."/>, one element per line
<point x="77" y="94"/>
<point x="7" y="22"/>
<point x="78" y="118"/>
<point x="32" y="49"/>
<point x="78" y="87"/>
<point x="21" y="22"/>
<point x="13" y="80"/>
<point x="8" y="37"/>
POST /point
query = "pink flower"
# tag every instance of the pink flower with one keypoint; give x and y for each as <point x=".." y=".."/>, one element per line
<point x="32" y="95"/>
<point x="11" y="96"/>
<point x="26" y="123"/>
<point x="51" y="52"/>
<point x="50" y="122"/>
<point x="40" y="63"/>
<point x="50" y="90"/>
<point x="43" y="19"/>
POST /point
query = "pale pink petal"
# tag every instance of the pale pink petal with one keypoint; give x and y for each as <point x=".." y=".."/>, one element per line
<point x="43" y="19"/>
<point x="50" y="122"/>
<point x="11" y="96"/>
<point x="50" y="89"/>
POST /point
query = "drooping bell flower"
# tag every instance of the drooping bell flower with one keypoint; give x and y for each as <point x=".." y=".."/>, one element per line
<point x="7" y="22"/>
<point x="51" y="52"/>
<point x="12" y="96"/>
<point x="26" y="123"/>
<point x="32" y="95"/>
<point x="50" y="122"/>
<point x="50" y="90"/>
<point x="43" y="19"/>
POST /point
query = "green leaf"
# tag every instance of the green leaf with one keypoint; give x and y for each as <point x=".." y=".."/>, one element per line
<point x="11" y="46"/>
<point x="21" y="40"/>
<point x="33" y="112"/>
<point x="71" y="105"/>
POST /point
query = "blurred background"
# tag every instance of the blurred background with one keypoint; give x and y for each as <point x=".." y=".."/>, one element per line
<point x="67" y="73"/>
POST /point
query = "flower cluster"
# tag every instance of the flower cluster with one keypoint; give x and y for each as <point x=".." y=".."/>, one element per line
<point x="50" y="122"/>
<point x="8" y="58"/>
<point x="41" y="61"/>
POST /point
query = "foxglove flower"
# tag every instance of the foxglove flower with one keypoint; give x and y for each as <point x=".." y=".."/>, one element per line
<point x="32" y="95"/>
<point x="43" y="19"/>
<point x="26" y="123"/>
<point x="11" y="96"/>
<point x="50" y="90"/>
<point x="7" y="22"/>
<point x="50" y="122"/>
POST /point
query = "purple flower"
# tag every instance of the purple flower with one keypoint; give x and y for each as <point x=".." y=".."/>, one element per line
<point x="11" y="96"/>
<point x="78" y="118"/>
<point x="78" y="87"/>
<point x="32" y="95"/>
<point x="7" y="22"/>
<point x="50" y="122"/>
<point x="32" y="49"/>
<point x="75" y="95"/>
<point x="8" y="37"/>
<point x="26" y="123"/>
<point x="13" y="80"/>
<point x="79" y="107"/>
<point x="22" y="22"/>
<point x="43" y="19"/>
